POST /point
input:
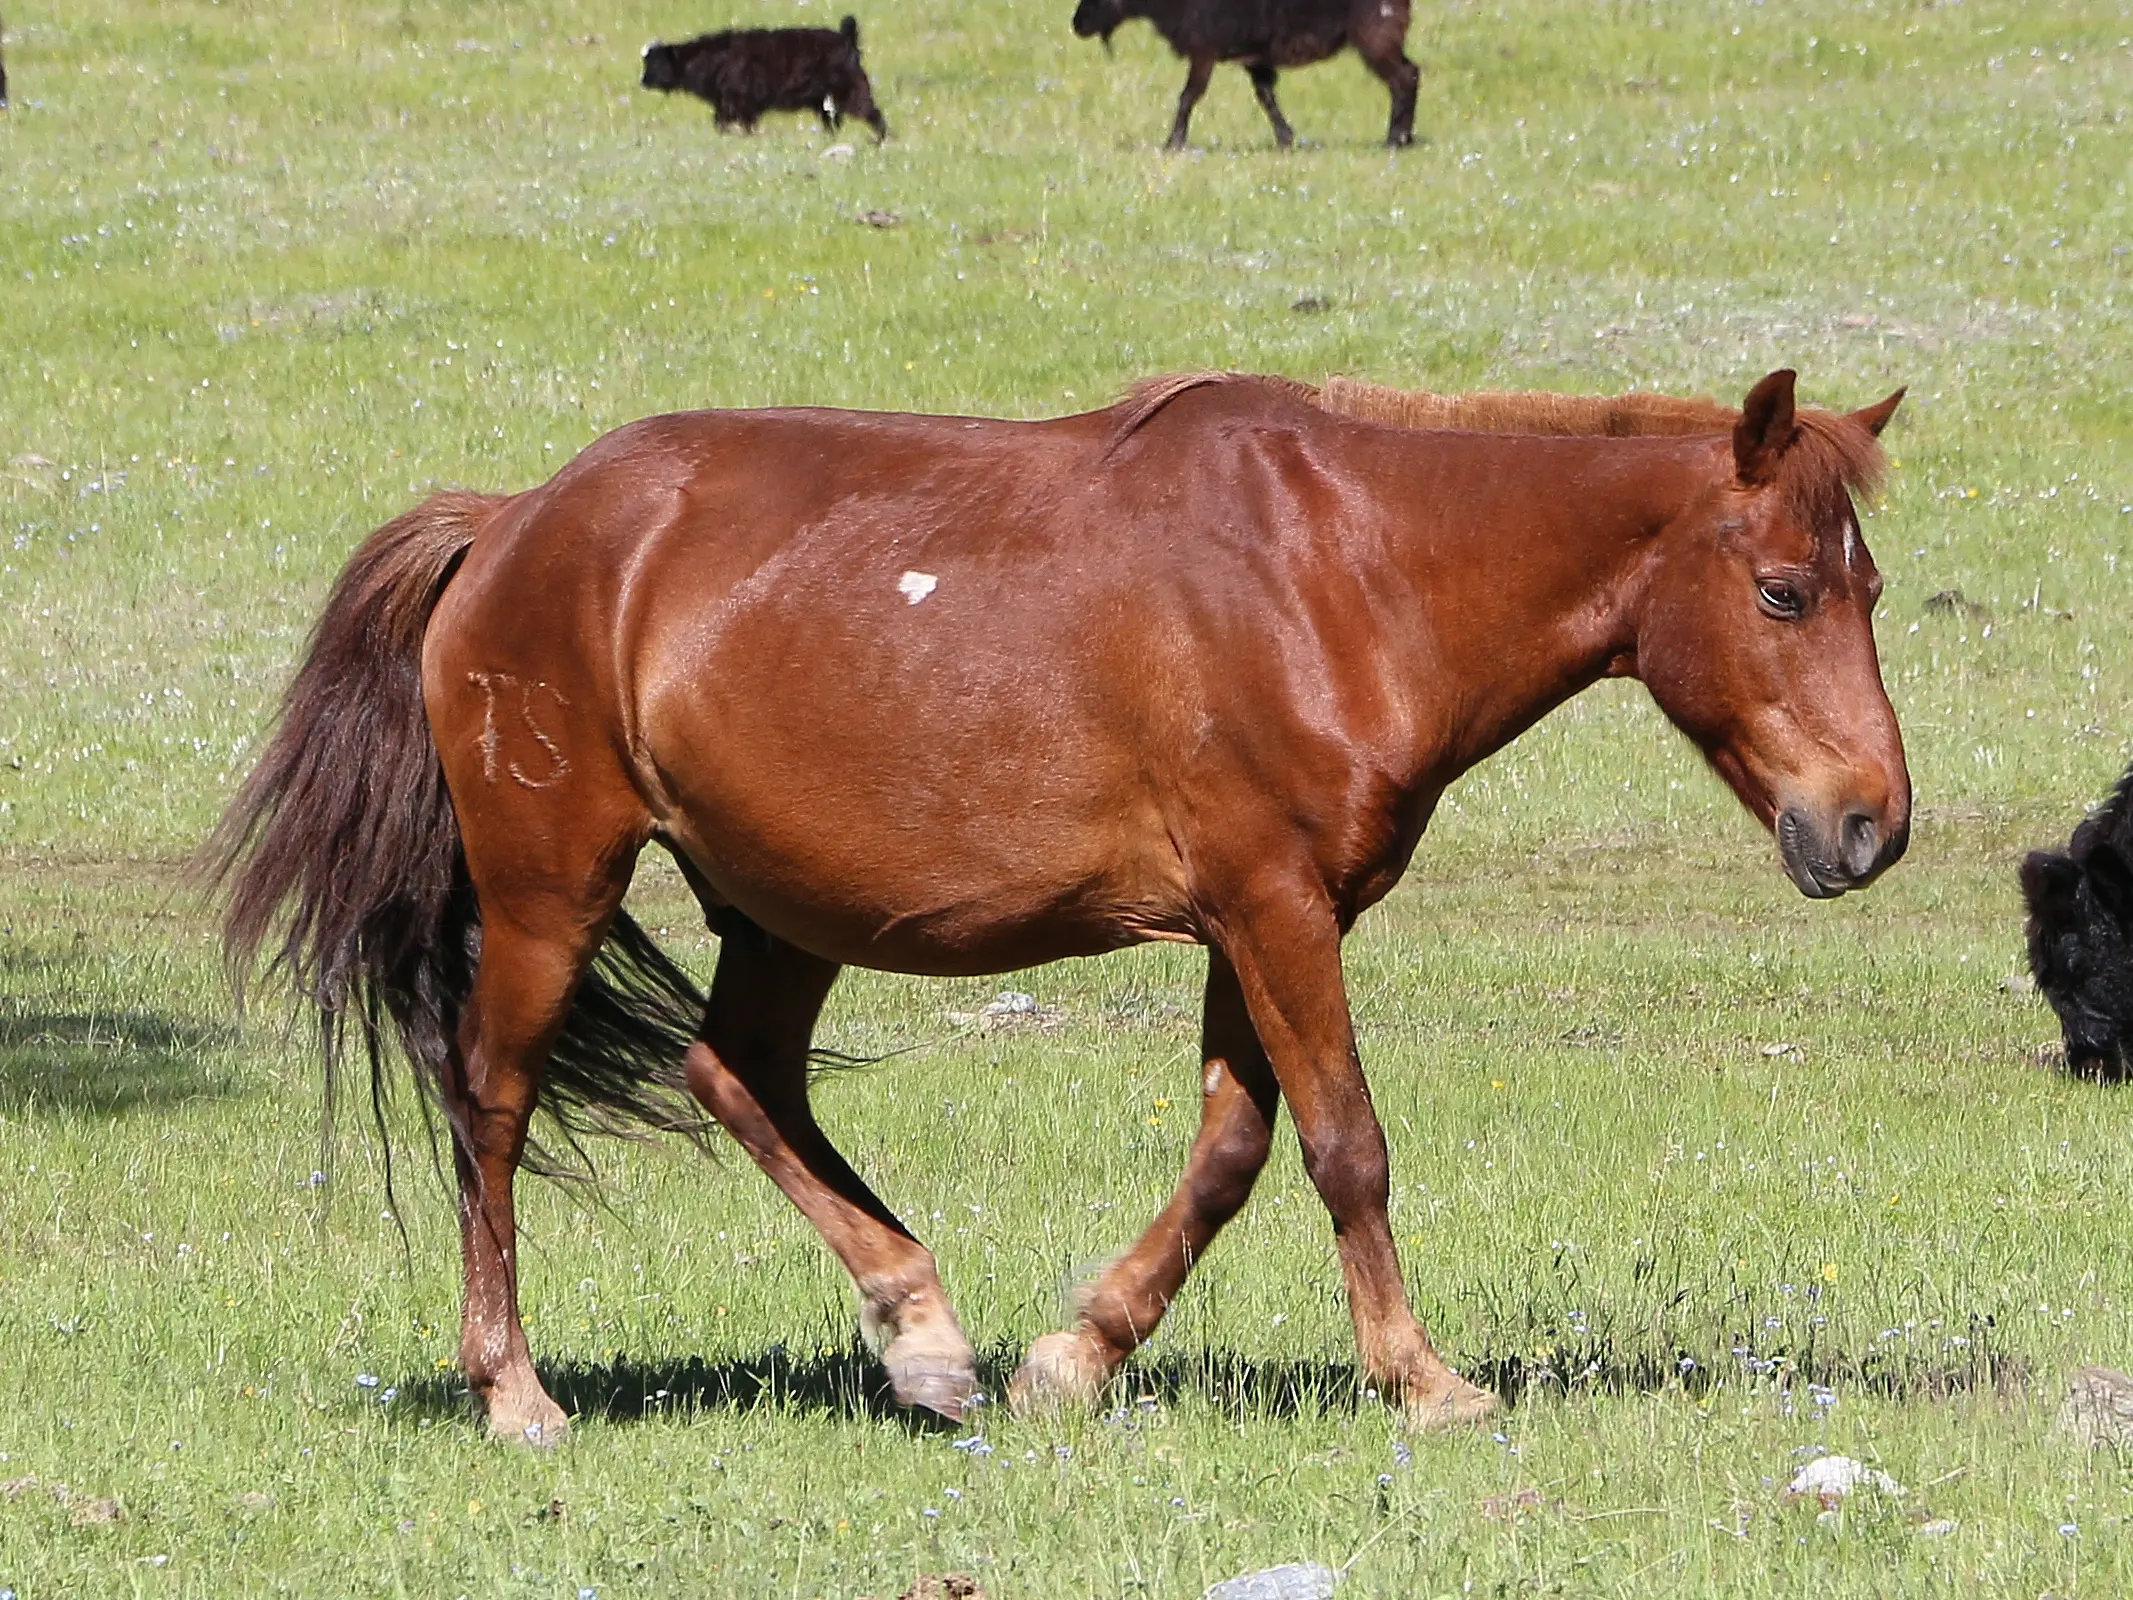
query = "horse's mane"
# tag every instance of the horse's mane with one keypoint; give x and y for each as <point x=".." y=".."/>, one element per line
<point x="1619" y="416"/>
<point x="1831" y="448"/>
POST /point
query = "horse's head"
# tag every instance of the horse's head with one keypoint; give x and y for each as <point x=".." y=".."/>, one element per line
<point x="2081" y="949"/>
<point x="1757" y="639"/>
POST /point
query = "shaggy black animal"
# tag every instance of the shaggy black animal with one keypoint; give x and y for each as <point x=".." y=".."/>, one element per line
<point x="744" y="72"/>
<point x="1265" y="35"/>
<point x="2081" y="937"/>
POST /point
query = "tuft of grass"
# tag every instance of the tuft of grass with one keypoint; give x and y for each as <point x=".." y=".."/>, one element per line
<point x="1705" y="1177"/>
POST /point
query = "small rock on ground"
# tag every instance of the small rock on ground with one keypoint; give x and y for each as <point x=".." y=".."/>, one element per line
<point x="1296" y="1580"/>
<point x="1010" y="1008"/>
<point x="1829" y="1479"/>
<point x="2098" y="1408"/>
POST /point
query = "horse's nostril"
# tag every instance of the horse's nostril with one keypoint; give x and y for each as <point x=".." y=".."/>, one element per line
<point x="1861" y="843"/>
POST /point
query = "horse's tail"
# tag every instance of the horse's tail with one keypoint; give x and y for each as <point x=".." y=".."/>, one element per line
<point x="344" y="839"/>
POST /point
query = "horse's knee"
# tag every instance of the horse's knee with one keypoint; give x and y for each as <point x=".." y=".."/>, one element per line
<point x="1349" y="1168"/>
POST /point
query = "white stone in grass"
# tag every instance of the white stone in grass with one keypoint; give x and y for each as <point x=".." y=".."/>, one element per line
<point x="1296" y="1580"/>
<point x="1831" y="1479"/>
<point x="1010" y="1008"/>
<point x="2098" y="1409"/>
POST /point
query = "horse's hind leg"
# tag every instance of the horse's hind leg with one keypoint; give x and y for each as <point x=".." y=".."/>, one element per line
<point x="1237" y="1107"/>
<point x="522" y="993"/>
<point x="1263" y="85"/>
<point x="749" y="1068"/>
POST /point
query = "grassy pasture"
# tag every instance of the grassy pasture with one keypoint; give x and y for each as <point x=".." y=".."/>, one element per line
<point x="1706" y="1176"/>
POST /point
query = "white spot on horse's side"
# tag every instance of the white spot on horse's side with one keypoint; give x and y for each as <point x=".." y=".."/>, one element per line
<point x="915" y="586"/>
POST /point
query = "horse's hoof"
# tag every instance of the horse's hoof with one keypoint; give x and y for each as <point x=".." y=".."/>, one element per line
<point x="541" y="1424"/>
<point x="943" y="1391"/>
<point x="1454" y="1404"/>
<point x="1061" y="1370"/>
<point x="933" y="1373"/>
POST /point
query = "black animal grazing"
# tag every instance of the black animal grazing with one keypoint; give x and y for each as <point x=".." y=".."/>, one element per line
<point x="2081" y="937"/>
<point x="1265" y="35"/>
<point x="744" y="72"/>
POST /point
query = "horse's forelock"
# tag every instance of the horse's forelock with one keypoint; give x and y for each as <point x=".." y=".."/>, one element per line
<point x="1831" y="453"/>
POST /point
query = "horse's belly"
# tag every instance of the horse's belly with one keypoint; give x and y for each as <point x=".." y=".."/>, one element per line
<point x="866" y="892"/>
<point x="919" y="839"/>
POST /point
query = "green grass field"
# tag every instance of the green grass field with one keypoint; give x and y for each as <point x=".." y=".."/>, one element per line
<point x="1707" y="1177"/>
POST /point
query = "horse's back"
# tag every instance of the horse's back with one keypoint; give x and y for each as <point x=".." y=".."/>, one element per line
<point x="917" y="658"/>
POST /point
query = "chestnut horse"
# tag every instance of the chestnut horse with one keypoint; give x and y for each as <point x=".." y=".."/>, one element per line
<point x="956" y="695"/>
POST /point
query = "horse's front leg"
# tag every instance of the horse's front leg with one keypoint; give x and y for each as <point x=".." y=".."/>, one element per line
<point x="1237" y="1104"/>
<point x="1286" y="951"/>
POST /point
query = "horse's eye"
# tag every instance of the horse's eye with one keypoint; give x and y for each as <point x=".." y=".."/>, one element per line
<point x="1778" y="598"/>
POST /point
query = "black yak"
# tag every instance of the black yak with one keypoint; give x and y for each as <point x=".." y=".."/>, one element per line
<point x="2081" y="936"/>
<point x="744" y="72"/>
<point x="1264" y="36"/>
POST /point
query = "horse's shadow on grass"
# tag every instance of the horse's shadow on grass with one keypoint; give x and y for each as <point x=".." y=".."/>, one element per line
<point x="850" y="1384"/>
<point x="108" y="1061"/>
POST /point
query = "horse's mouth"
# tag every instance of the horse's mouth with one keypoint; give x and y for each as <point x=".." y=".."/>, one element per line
<point x="1823" y="866"/>
<point x="1813" y="873"/>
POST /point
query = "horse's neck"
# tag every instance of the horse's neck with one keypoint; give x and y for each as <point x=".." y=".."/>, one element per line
<point x="1528" y="557"/>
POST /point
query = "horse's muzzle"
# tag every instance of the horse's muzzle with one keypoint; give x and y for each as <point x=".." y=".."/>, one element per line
<point x="1824" y="863"/>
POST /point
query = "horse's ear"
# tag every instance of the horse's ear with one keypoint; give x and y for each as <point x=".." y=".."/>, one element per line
<point x="2112" y="880"/>
<point x="1876" y="417"/>
<point x="1766" y="427"/>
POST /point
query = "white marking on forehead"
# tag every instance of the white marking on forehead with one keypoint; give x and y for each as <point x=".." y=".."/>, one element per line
<point x="1851" y="542"/>
<point x="915" y="586"/>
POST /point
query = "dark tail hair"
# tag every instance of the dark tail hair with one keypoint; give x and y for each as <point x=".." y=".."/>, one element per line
<point x="849" y="27"/>
<point x="346" y="822"/>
